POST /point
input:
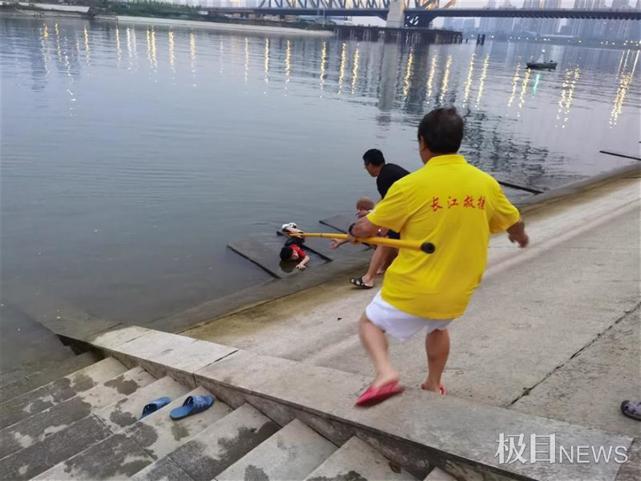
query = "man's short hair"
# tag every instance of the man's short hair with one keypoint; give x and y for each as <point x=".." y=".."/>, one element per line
<point x="374" y="157"/>
<point x="286" y="253"/>
<point x="442" y="130"/>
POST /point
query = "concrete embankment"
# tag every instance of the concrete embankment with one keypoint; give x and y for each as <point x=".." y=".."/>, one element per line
<point x="219" y="27"/>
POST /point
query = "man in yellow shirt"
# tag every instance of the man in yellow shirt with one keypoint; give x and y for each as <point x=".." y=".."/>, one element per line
<point x="455" y="206"/>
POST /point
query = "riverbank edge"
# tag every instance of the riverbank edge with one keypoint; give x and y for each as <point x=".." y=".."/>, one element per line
<point x="273" y="289"/>
<point x="169" y="23"/>
<point x="215" y="26"/>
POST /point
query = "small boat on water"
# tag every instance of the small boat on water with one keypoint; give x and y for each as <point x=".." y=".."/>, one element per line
<point x="550" y="65"/>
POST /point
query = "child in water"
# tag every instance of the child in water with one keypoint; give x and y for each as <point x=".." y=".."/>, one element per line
<point x="293" y="248"/>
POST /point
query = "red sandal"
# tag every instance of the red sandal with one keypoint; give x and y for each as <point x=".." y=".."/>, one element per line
<point x="374" y="395"/>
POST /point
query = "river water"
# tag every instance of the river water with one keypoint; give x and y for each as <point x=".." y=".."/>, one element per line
<point x="132" y="155"/>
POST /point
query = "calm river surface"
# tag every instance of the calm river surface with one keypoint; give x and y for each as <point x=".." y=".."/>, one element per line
<point x="132" y="155"/>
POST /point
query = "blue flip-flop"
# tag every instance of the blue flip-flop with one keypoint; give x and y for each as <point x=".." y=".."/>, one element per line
<point x="192" y="405"/>
<point x="154" y="406"/>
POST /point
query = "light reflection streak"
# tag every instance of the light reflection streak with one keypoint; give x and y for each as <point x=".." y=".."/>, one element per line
<point x="148" y="32"/>
<point x="625" y="81"/>
<point x="486" y="63"/>
<point x="515" y="82"/>
<point x="43" y="45"/>
<point x="246" y="60"/>
<point x="58" y="49"/>
<point x="288" y="63"/>
<point x="409" y="72"/>
<point x="154" y="58"/>
<point x="430" y="78"/>
<point x="341" y="74"/>
<point x="468" y="80"/>
<point x="526" y="80"/>
<point x="266" y="65"/>
<point x="355" y="67"/>
<point x="192" y="53"/>
<point x="87" y="49"/>
<point x="118" y="48"/>
<point x="567" y="95"/>
<point x="323" y="67"/>
<point x="171" y="47"/>
<point x="446" y="79"/>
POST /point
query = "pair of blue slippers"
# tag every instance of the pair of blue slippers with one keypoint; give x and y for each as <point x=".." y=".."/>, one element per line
<point x="192" y="405"/>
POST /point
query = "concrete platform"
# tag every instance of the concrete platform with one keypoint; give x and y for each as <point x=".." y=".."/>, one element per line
<point x="339" y="222"/>
<point x="607" y="369"/>
<point x="265" y="253"/>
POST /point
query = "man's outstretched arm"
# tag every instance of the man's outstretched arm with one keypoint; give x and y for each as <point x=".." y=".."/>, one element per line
<point x="363" y="228"/>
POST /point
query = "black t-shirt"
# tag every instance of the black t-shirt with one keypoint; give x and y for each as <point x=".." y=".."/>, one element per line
<point x="389" y="174"/>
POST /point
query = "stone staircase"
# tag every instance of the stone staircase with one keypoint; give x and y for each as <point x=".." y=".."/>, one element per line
<point x="86" y="426"/>
<point x="274" y="419"/>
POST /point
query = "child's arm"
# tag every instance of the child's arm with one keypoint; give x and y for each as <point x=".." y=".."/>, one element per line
<point x="336" y="243"/>
<point x="303" y="264"/>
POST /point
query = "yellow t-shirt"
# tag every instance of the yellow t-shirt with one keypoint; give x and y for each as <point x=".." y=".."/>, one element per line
<point x="455" y="206"/>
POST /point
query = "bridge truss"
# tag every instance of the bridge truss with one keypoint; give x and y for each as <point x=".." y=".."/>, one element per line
<point x="346" y="4"/>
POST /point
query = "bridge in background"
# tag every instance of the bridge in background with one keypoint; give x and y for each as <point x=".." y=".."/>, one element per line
<point x="418" y="13"/>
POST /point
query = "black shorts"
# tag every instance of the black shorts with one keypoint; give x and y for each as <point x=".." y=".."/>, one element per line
<point x="393" y="235"/>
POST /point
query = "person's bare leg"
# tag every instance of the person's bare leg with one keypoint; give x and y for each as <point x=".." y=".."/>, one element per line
<point x="374" y="341"/>
<point x="375" y="263"/>
<point x="389" y="258"/>
<point x="437" y="347"/>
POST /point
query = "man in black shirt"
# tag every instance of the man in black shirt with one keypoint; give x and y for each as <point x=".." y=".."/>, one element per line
<point x="386" y="174"/>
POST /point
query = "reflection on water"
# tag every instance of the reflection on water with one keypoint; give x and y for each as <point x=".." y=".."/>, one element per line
<point x="134" y="154"/>
<point x="625" y="74"/>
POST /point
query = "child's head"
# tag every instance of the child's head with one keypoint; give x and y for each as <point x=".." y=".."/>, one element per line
<point x="288" y="254"/>
<point x="363" y="206"/>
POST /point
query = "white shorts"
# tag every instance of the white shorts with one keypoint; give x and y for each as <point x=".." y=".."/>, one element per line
<point x="399" y="324"/>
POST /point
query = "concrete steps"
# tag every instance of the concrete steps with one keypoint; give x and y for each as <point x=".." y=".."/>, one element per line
<point x="35" y="428"/>
<point x="23" y="382"/>
<point x="209" y="453"/>
<point x="86" y="426"/>
<point x="357" y="460"/>
<point x="292" y="453"/>
<point x="439" y="475"/>
<point x="272" y="425"/>
<point x="37" y="400"/>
